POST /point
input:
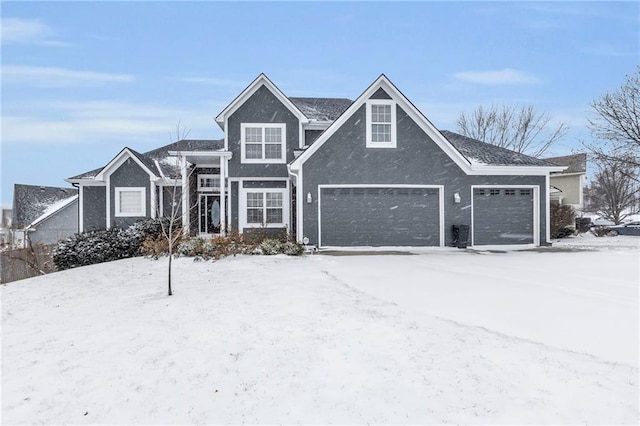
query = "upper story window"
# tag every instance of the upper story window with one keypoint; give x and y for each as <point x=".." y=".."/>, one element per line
<point x="381" y="123"/>
<point x="263" y="143"/>
<point x="208" y="183"/>
<point x="130" y="202"/>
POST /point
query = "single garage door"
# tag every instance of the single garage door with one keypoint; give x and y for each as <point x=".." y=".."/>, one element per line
<point x="379" y="217"/>
<point x="502" y="216"/>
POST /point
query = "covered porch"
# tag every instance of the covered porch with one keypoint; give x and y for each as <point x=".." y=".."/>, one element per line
<point x="204" y="191"/>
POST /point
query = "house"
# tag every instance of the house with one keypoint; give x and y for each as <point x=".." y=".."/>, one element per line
<point x="567" y="185"/>
<point x="43" y="214"/>
<point x="334" y="172"/>
<point x="5" y="227"/>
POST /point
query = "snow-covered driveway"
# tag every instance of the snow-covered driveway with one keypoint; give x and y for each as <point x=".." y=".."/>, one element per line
<point x="582" y="301"/>
<point x="442" y="336"/>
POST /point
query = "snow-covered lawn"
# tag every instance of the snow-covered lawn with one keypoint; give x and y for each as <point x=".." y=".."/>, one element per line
<point x="444" y="335"/>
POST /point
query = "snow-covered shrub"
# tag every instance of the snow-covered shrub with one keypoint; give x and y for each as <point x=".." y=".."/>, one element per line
<point x="200" y="248"/>
<point x="292" y="248"/>
<point x="88" y="248"/>
<point x="601" y="231"/>
<point x="270" y="246"/>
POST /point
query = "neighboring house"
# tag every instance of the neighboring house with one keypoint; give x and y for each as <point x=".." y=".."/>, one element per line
<point x="43" y="214"/>
<point x="5" y="227"/>
<point x="567" y="185"/>
<point x="334" y="172"/>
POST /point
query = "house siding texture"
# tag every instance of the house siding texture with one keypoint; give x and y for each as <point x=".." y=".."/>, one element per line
<point x="417" y="160"/>
<point x="61" y="225"/>
<point x="94" y="203"/>
<point x="261" y="107"/>
<point x="129" y="175"/>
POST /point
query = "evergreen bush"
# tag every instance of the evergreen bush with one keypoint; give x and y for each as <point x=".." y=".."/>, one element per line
<point x="91" y="247"/>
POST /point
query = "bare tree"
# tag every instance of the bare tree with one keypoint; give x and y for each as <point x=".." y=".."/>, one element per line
<point x="616" y="126"/>
<point x="519" y="129"/>
<point x="172" y="220"/>
<point x="613" y="191"/>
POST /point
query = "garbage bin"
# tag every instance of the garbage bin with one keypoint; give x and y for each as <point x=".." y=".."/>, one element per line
<point x="460" y="235"/>
<point x="583" y="224"/>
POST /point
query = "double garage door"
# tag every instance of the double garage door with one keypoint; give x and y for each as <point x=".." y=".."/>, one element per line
<point x="503" y="216"/>
<point x="379" y="217"/>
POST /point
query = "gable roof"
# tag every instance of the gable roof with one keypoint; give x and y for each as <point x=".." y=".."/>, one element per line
<point x="322" y="109"/>
<point x="384" y="83"/>
<point x="261" y="80"/>
<point x="478" y="152"/>
<point x="168" y="164"/>
<point x="159" y="161"/>
<point x="576" y="163"/>
<point x="148" y="166"/>
<point x="30" y="202"/>
<point x="496" y="161"/>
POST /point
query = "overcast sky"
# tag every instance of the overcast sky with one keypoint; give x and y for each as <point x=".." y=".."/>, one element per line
<point x="82" y="80"/>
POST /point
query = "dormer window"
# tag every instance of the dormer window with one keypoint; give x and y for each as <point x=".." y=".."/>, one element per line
<point x="263" y="143"/>
<point x="381" y="123"/>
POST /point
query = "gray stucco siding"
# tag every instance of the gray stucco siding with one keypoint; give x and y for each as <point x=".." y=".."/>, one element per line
<point x="62" y="224"/>
<point x="417" y="160"/>
<point x="261" y="107"/>
<point x="256" y="184"/>
<point x="94" y="208"/>
<point x="129" y="175"/>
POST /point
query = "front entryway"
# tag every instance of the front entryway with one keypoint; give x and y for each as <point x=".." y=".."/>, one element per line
<point x="209" y="214"/>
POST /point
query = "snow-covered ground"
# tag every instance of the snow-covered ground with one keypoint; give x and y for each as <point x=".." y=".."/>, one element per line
<point x="442" y="336"/>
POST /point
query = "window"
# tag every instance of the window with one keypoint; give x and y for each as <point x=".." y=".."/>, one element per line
<point x="525" y="192"/>
<point x="264" y="208"/>
<point x="494" y="192"/>
<point x="130" y="202"/>
<point x="381" y="124"/>
<point x="209" y="183"/>
<point x="509" y="192"/>
<point x="263" y="143"/>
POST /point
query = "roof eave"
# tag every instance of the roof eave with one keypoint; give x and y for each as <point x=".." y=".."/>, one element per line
<point x="262" y="79"/>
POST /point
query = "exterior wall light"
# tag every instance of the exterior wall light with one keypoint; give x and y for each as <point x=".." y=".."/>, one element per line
<point x="456" y="197"/>
<point x="309" y="198"/>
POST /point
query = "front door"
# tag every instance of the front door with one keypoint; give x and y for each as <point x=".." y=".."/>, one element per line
<point x="209" y="214"/>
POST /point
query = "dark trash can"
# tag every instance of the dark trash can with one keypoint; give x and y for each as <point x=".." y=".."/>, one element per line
<point x="583" y="224"/>
<point x="460" y="234"/>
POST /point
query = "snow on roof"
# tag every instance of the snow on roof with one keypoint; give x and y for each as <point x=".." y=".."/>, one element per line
<point x="53" y="208"/>
<point x="479" y="152"/>
<point x="322" y="109"/>
<point x="576" y="163"/>
<point x="168" y="165"/>
<point x="30" y="202"/>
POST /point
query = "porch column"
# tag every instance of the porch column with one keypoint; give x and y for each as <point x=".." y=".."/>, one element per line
<point x="223" y="203"/>
<point x="185" y="195"/>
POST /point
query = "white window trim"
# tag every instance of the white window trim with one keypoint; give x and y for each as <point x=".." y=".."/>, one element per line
<point x="370" y="143"/>
<point x="283" y="154"/>
<point x="208" y="188"/>
<point x="242" y="213"/>
<point x="143" y="199"/>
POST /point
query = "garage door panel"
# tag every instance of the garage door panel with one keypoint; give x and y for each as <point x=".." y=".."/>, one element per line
<point x="380" y="217"/>
<point x="503" y="216"/>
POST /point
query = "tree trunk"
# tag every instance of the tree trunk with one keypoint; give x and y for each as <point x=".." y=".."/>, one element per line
<point x="169" y="276"/>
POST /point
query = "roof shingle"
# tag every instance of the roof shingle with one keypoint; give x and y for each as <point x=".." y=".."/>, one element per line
<point x="484" y="153"/>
